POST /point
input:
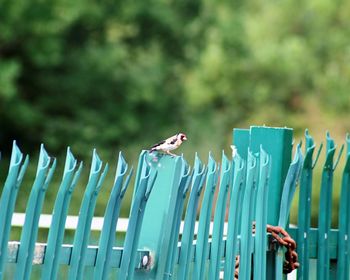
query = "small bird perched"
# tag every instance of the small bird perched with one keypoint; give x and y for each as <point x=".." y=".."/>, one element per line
<point x="169" y="144"/>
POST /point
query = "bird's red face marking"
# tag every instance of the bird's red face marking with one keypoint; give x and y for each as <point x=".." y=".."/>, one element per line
<point x="183" y="137"/>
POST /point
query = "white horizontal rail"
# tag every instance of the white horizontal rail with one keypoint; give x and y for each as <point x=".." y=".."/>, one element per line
<point x="96" y="225"/>
<point x="71" y="222"/>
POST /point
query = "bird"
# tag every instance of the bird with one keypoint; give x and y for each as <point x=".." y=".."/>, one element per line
<point x="169" y="144"/>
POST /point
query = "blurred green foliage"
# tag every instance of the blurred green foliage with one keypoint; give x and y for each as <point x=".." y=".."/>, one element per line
<point x="121" y="75"/>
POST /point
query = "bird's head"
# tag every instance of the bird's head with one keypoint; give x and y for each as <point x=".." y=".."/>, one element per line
<point x="182" y="137"/>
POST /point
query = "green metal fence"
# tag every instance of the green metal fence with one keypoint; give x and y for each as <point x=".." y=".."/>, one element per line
<point x="183" y="223"/>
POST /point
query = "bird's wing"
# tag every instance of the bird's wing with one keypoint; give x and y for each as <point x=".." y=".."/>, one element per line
<point x="158" y="144"/>
<point x="172" y="140"/>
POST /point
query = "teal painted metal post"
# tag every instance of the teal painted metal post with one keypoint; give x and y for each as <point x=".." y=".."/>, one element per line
<point x="71" y="175"/>
<point x="344" y="216"/>
<point x="190" y="218"/>
<point x="247" y="221"/>
<point x="175" y="226"/>
<point x="304" y="209"/>
<point x="234" y="216"/>
<point x="30" y="229"/>
<point x="325" y="211"/>
<point x="158" y="207"/>
<point x="86" y="212"/>
<point x="277" y="142"/>
<point x="219" y="219"/>
<point x="241" y="139"/>
<point x="201" y="255"/>
<point x="143" y="191"/>
<point x="111" y="216"/>
<point x="8" y="198"/>
<point x="260" y="240"/>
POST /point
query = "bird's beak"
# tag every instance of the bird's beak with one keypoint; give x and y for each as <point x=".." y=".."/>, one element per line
<point x="185" y="138"/>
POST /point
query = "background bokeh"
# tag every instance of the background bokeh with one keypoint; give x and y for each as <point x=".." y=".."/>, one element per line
<point x="121" y="75"/>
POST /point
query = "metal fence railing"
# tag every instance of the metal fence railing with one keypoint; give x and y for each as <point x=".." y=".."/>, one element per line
<point x="208" y="222"/>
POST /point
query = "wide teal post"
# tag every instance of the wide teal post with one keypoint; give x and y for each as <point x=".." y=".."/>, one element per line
<point x="161" y="203"/>
<point x="277" y="142"/>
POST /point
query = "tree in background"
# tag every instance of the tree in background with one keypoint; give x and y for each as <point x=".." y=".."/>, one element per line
<point x="109" y="74"/>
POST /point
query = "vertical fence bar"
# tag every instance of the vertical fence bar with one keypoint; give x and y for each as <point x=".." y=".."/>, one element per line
<point x="344" y="224"/>
<point x="8" y="198"/>
<point x="144" y="189"/>
<point x="289" y="188"/>
<point x="52" y="253"/>
<point x="175" y="225"/>
<point x="325" y="211"/>
<point x="110" y="220"/>
<point x="219" y="219"/>
<point x="190" y="218"/>
<point x="33" y="210"/>
<point x="261" y="217"/>
<point x="234" y="216"/>
<point x="304" y="209"/>
<point x="82" y="232"/>
<point x="201" y="255"/>
<point x="247" y="221"/>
